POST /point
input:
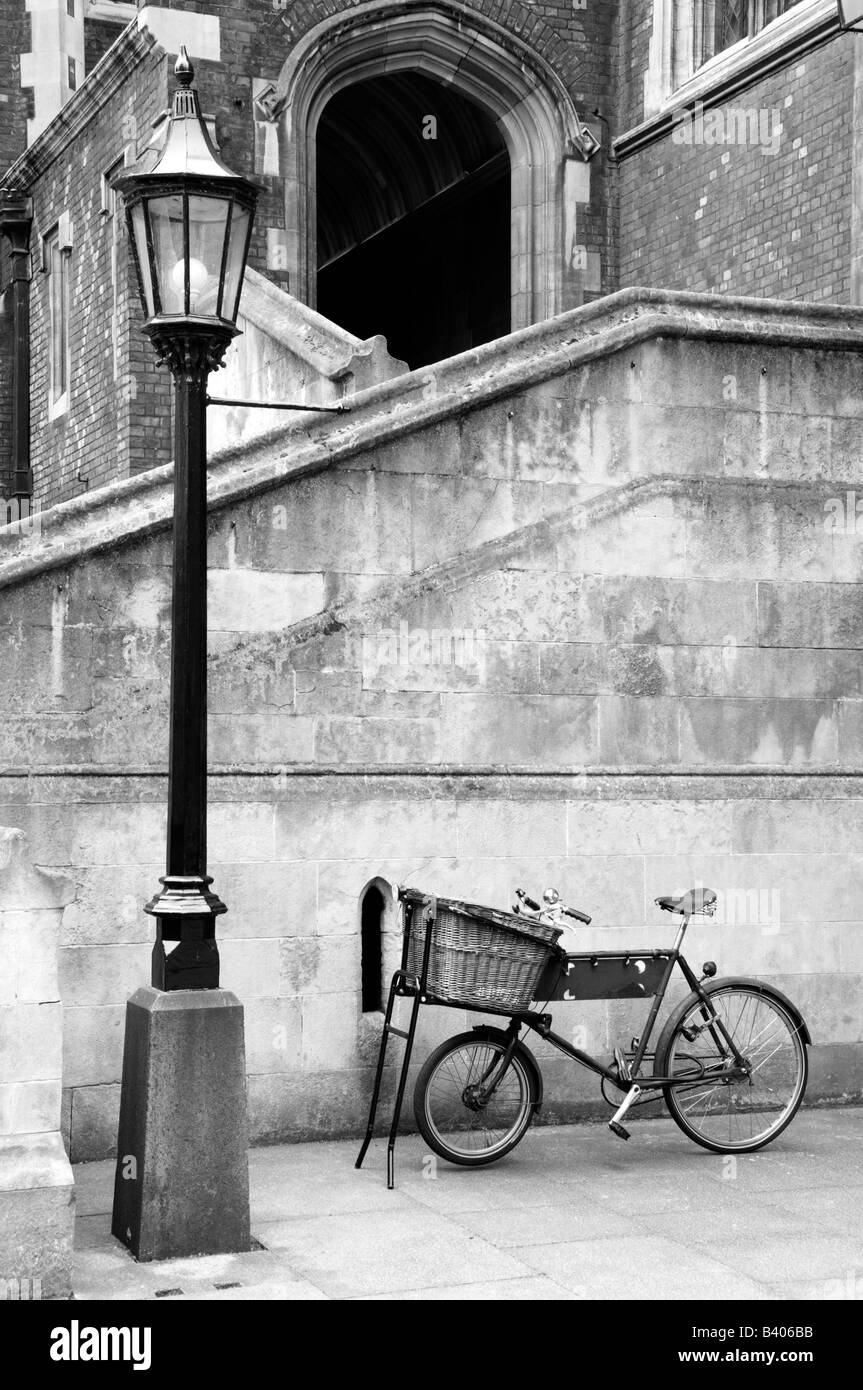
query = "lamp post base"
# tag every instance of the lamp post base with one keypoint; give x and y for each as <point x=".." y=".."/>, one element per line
<point x="182" y="1177"/>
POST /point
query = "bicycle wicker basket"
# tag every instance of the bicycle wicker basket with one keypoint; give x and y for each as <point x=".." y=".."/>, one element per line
<point x="479" y="957"/>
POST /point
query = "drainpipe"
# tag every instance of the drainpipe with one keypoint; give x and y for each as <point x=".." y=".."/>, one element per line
<point x="16" y="219"/>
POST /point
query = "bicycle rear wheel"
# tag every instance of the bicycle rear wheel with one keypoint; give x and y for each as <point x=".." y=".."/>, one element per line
<point x="722" y="1109"/>
<point x="456" y="1119"/>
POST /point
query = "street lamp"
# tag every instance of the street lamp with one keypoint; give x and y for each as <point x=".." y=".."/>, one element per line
<point x="189" y="220"/>
<point x="851" y="15"/>
<point x="181" y="1184"/>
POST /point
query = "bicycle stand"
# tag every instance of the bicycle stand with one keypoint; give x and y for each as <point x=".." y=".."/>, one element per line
<point x="404" y="985"/>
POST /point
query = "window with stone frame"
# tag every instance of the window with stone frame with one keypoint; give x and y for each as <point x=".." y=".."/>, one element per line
<point x="56" y="249"/>
<point x="719" y="24"/>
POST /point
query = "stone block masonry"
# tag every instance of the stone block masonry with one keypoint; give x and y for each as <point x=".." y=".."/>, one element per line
<point x="37" y="1206"/>
<point x="660" y="576"/>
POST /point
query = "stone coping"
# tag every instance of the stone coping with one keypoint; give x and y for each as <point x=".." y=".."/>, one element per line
<point x="809" y="780"/>
<point x="132" y="509"/>
<point x="317" y="341"/>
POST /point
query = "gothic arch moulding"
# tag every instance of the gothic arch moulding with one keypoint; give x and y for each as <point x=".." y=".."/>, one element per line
<point x="537" y="119"/>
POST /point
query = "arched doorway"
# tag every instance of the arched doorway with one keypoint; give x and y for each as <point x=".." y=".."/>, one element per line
<point x="490" y="67"/>
<point x="413" y="217"/>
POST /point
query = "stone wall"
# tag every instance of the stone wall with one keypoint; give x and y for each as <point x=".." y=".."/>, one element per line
<point x="578" y="608"/>
<point x="286" y="352"/>
<point x="37" y="1209"/>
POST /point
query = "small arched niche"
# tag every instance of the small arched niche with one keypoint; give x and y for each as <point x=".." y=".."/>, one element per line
<point x="375" y="914"/>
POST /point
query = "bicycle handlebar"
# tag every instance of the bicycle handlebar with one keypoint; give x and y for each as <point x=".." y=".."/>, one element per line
<point x="579" y="916"/>
<point x="537" y="907"/>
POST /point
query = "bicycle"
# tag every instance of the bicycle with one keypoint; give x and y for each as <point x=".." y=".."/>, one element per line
<point x="730" y="1062"/>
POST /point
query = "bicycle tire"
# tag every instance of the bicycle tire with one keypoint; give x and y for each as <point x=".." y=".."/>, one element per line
<point x="771" y="1039"/>
<point x="442" y="1112"/>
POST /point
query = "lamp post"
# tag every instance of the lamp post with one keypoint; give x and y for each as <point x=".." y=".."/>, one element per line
<point x="189" y="221"/>
<point x="182" y="1178"/>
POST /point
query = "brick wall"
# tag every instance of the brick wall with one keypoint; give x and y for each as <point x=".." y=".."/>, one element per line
<point x="119" y="415"/>
<point x="99" y="34"/>
<point x="636" y="27"/>
<point x="14" y="39"/>
<point x="728" y="217"/>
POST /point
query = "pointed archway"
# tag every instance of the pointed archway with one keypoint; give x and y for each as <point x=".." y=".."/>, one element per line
<point x="485" y="64"/>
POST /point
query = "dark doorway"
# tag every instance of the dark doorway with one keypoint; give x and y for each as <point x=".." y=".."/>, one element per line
<point x="371" y="934"/>
<point x="413" y="232"/>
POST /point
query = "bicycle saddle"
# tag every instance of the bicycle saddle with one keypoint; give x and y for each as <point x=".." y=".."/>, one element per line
<point x="702" y="900"/>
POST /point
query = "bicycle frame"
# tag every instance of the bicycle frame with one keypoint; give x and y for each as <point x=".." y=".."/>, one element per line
<point x="540" y="1023"/>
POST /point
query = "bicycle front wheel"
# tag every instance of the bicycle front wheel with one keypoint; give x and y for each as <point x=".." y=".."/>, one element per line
<point x="466" y="1112"/>
<point x="727" y="1108"/>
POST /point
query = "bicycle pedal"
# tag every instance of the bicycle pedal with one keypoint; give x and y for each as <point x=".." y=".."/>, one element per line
<point x="618" y="1129"/>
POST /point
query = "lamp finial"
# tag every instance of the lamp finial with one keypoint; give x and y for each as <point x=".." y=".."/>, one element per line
<point x="183" y="70"/>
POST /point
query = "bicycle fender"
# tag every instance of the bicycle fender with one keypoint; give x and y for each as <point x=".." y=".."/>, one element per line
<point x="524" y="1052"/>
<point x="710" y="987"/>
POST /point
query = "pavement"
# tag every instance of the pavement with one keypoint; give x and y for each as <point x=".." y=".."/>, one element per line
<point x="573" y="1213"/>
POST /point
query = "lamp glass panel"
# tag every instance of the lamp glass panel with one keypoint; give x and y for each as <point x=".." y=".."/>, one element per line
<point x="235" y="264"/>
<point x="139" y="232"/>
<point x="166" y="223"/>
<point x="851" y="11"/>
<point x="208" y="222"/>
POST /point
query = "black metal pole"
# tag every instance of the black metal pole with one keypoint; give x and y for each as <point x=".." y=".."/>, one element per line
<point x="16" y="214"/>
<point x="187" y="758"/>
<point x="280" y="405"/>
<point x="186" y="909"/>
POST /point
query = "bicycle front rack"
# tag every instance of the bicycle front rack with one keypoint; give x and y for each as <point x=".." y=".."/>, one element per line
<point x="403" y="985"/>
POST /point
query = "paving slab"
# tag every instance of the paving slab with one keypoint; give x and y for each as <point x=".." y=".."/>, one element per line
<point x="639" y="1266"/>
<point x="777" y="1259"/>
<point x="386" y="1252"/>
<point x="848" y="1289"/>
<point x="572" y="1214"/>
<point x="502" y="1290"/>
<point x="549" y="1225"/>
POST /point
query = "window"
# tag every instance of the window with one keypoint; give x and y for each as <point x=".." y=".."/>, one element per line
<point x="719" y="24"/>
<point x="56" y="263"/>
<point x="109" y="209"/>
<point x="73" y="80"/>
<point x="109" y="197"/>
